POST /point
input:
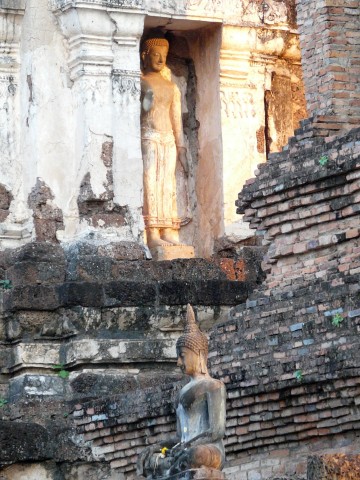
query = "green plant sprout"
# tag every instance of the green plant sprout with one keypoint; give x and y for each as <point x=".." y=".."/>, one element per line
<point x="298" y="375"/>
<point x="3" y="402"/>
<point x="5" y="284"/>
<point x="61" y="372"/>
<point x="337" y="319"/>
<point x="323" y="160"/>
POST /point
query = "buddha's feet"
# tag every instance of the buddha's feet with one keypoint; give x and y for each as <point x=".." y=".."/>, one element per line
<point x="154" y="239"/>
<point x="171" y="236"/>
<point x="199" y="456"/>
<point x="158" y="242"/>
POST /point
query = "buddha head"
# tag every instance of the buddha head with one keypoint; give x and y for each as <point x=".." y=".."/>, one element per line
<point x="154" y="53"/>
<point x="192" y="347"/>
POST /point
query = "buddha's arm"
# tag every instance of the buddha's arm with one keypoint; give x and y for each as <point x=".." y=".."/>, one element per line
<point x="176" y="118"/>
<point x="176" y="123"/>
<point x="144" y="461"/>
<point x="217" y="412"/>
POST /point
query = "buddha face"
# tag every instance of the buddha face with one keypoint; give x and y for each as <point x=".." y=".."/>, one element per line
<point x="189" y="361"/>
<point x="155" y="59"/>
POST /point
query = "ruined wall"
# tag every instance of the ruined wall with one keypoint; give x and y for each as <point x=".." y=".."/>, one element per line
<point x="289" y="354"/>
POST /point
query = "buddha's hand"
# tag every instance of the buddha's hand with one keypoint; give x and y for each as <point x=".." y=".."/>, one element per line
<point x="148" y="100"/>
<point x="178" y="447"/>
<point x="145" y="457"/>
<point x="182" y="157"/>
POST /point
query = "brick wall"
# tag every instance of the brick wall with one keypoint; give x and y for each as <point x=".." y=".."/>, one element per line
<point x="330" y="39"/>
<point x="289" y="356"/>
<point x="120" y="427"/>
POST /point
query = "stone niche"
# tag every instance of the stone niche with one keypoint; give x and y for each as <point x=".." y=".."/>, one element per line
<point x="71" y="119"/>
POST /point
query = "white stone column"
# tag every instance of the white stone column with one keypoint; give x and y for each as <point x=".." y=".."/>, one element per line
<point x="242" y="115"/>
<point x="127" y="159"/>
<point x="12" y="228"/>
<point x="103" y="42"/>
<point x="247" y="59"/>
<point x="89" y="31"/>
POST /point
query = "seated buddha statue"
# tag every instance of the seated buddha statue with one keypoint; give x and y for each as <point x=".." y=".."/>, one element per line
<point x="200" y="415"/>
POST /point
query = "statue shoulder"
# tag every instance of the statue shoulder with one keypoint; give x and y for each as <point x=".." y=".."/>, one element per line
<point x="145" y="83"/>
<point x="201" y="386"/>
<point x="218" y="384"/>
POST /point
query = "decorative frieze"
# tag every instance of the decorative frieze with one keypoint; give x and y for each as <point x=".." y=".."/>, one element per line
<point x="7" y="86"/>
<point x="236" y="104"/>
<point x="125" y="4"/>
<point x="127" y="83"/>
<point x="269" y="12"/>
<point x="266" y="12"/>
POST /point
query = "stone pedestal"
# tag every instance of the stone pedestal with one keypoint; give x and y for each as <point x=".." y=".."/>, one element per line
<point x="171" y="252"/>
<point x="198" y="474"/>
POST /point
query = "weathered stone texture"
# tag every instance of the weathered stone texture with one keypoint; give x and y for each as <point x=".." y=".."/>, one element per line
<point x="5" y="200"/>
<point x="23" y="442"/>
<point x="299" y="110"/>
<point x="48" y="218"/>
<point x="101" y="211"/>
<point x="44" y="277"/>
<point x="279" y="112"/>
<point x="334" y="467"/>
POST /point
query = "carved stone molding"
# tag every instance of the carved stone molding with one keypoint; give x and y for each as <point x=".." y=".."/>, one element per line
<point x="236" y="104"/>
<point x="267" y="12"/>
<point x="250" y="12"/>
<point x="12" y="5"/>
<point x="129" y="28"/>
<point x="234" y="67"/>
<point x="262" y="60"/>
<point x="127" y="82"/>
<point x="89" y="33"/>
<point x="108" y="4"/>
<point x="8" y="86"/>
<point x="254" y="12"/>
<point x="90" y="55"/>
<point x="96" y="33"/>
<point x="10" y="32"/>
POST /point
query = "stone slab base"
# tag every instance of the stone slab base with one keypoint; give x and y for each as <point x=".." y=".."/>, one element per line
<point x="198" y="474"/>
<point x="171" y="252"/>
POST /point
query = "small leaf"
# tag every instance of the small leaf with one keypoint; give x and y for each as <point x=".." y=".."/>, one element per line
<point x="63" y="374"/>
<point x="337" y="319"/>
<point x="298" y="375"/>
<point x="3" y="402"/>
<point x="323" y="160"/>
<point x="58" y="367"/>
<point x="6" y="284"/>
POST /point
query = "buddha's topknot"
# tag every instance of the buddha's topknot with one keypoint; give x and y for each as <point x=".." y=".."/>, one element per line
<point x="156" y="41"/>
<point x="192" y="337"/>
